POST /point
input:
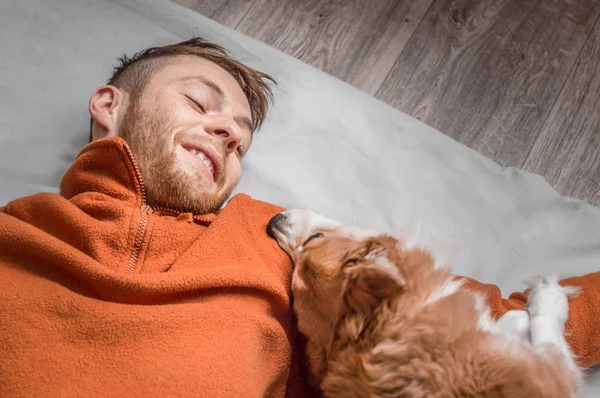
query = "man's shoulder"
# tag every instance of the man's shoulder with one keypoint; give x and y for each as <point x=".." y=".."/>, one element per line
<point x="242" y="201"/>
<point x="243" y="212"/>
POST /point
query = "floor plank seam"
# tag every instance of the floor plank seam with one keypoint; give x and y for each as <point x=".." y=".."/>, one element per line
<point x="244" y="16"/>
<point x="573" y="68"/>
<point x="375" y="95"/>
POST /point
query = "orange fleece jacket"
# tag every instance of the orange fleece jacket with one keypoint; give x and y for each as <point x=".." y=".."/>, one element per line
<point x="101" y="295"/>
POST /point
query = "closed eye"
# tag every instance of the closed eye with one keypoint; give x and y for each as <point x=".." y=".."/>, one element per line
<point x="314" y="236"/>
<point x="198" y="105"/>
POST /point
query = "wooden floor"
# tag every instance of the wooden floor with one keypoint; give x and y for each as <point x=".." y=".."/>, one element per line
<point x="518" y="81"/>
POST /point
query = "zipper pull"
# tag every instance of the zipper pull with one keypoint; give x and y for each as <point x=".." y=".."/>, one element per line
<point x="146" y="209"/>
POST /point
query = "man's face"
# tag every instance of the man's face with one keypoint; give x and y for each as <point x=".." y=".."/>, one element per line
<point x="188" y="131"/>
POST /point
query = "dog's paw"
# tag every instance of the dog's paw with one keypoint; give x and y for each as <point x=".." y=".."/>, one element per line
<point x="514" y="323"/>
<point x="548" y="299"/>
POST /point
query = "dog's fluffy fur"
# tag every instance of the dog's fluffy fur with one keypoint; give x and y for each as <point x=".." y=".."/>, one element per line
<point x="383" y="320"/>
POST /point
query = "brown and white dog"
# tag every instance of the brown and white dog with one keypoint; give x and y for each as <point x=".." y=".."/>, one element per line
<point x="382" y="319"/>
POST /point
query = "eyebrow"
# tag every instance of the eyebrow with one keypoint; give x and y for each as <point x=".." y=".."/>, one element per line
<point x="218" y="91"/>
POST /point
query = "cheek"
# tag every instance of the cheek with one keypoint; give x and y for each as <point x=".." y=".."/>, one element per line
<point x="304" y="310"/>
<point x="298" y="285"/>
<point x="232" y="171"/>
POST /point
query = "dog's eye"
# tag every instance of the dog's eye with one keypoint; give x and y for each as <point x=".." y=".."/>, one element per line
<point x="314" y="236"/>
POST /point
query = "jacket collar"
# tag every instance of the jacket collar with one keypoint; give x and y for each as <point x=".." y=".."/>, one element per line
<point x="107" y="167"/>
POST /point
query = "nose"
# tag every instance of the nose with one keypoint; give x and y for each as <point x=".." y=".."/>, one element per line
<point x="274" y="224"/>
<point x="225" y="128"/>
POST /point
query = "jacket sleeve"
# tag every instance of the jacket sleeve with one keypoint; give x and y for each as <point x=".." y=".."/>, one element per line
<point x="582" y="331"/>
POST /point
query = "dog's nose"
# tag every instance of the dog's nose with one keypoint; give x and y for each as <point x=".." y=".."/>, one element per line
<point x="274" y="222"/>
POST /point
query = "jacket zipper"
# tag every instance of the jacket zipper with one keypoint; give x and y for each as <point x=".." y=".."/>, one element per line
<point x="146" y="210"/>
<point x="139" y="238"/>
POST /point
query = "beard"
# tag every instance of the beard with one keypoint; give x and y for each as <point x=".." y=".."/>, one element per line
<point x="149" y="135"/>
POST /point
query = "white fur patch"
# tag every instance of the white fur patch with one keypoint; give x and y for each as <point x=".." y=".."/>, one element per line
<point x="416" y="237"/>
<point x="297" y="226"/>
<point x="450" y="287"/>
<point x="485" y="321"/>
<point x="514" y="325"/>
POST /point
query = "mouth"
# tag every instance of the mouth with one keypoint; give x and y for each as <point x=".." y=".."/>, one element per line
<point x="206" y="157"/>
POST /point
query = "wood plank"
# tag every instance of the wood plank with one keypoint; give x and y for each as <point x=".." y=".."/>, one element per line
<point x="487" y="72"/>
<point x="567" y="151"/>
<point x="353" y="42"/>
<point x="226" y="12"/>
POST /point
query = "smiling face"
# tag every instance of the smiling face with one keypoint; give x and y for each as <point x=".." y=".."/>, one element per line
<point x="188" y="123"/>
<point x="188" y="131"/>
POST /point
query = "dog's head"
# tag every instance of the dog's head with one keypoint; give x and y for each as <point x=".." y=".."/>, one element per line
<point x="342" y="275"/>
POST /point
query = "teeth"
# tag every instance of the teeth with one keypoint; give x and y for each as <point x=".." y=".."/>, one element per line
<point x="204" y="158"/>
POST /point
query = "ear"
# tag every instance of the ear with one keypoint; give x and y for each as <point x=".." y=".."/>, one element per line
<point x="107" y="103"/>
<point x="370" y="283"/>
<point x="365" y="287"/>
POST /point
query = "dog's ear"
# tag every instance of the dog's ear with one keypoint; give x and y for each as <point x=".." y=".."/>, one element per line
<point x="369" y="283"/>
<point x="373" y="279"/>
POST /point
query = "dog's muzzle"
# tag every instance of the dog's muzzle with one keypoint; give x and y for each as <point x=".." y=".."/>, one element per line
<point x="276" y="224"/>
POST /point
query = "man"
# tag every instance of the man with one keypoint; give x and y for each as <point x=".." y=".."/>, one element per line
<point x="132" y="281"/>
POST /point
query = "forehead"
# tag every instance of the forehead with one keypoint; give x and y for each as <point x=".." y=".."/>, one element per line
<point x="323" y="258"/>
<point x="335" y="242"/>
<point x="347" y="234"/>
<point x="180" y="70"/>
